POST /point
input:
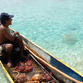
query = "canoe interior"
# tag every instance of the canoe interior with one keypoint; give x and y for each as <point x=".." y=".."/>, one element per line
<point x="36" y="70"/>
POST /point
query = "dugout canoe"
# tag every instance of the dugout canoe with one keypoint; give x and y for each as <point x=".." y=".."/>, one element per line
<point x="60" y="70"/>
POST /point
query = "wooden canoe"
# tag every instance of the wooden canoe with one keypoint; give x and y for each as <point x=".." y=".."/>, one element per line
<point x="60" y="70"/>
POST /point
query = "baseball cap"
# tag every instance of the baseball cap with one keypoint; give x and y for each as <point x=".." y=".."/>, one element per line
<point x="5" y="15"/>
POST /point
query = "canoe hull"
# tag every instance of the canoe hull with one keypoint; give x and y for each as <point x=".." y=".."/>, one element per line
<point x="55" y="62"/>
<point x="6" y="75"/>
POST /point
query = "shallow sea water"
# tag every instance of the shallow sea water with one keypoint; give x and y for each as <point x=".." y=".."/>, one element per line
<point x="54" y="25"/>
<point x="2" y="77"/>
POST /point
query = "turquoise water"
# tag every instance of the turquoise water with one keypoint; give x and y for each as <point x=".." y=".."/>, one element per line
<point x="2" y="77"/>
<point x="55" y="25"/>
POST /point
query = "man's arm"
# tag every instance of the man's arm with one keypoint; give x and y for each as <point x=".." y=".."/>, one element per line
<point x="8" y="35"/>
<point x="15" y="32"/>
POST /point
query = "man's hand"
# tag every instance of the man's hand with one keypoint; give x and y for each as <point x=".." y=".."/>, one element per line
<point x="17" y="33"/>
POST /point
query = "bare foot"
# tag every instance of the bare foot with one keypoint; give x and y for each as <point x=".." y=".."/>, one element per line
<point x="9" y="64"/>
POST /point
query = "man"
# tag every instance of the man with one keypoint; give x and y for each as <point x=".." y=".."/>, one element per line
<point x="6" y="37"/>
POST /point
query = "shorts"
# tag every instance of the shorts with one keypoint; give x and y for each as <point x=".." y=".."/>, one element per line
<point x="2" y="50"/>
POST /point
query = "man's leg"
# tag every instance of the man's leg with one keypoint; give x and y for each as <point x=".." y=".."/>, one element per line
<point x="21" y="46"/>
<point x="9" y="49"/>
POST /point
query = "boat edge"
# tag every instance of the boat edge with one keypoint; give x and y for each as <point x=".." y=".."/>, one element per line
<point x="8" y="77"/>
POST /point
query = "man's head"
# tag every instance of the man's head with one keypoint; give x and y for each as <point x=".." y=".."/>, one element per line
<point x="5" y="17"/>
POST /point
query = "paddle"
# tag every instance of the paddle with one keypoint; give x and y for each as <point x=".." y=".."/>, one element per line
<point x="48" y="65"/>
<point x="34" y="52"/>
